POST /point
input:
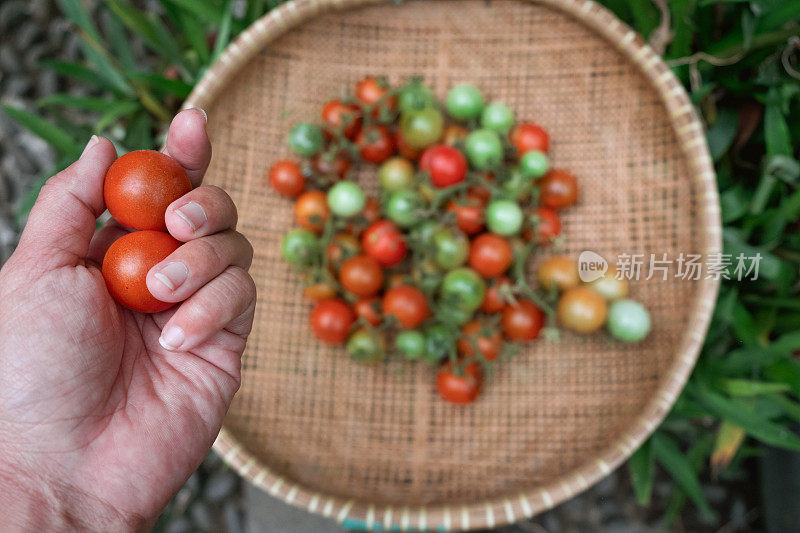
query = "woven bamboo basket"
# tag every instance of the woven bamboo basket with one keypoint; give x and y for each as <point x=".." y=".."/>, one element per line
<point x="375" y="447"/>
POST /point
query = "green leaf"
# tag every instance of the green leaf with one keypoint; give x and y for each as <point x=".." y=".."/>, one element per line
<point x="642" y="467"/>
<point x="140" y="133"/>
<point x="190" y="28"/>
<point x="645" y="16"/>
<point x="734" y="203"/>
<point x="49" y="132"/>
<point x="776" y="132"/>
<point x="786" y="370"/>
<point x="675" y="462"/>
<point x="120" y="44"/>
<point x="116" y="112"/>
<point x="747" y="387"/>
<point x="224" y="34"/>
<point x="721" y="134"/>
<point x="177" y="88"/>
<point x="770" y="266"/>
<point x="204" y="10"/>
<point x="88" y="103"/>
<point x="79" y="72"/>
<point x="788" y="407"/>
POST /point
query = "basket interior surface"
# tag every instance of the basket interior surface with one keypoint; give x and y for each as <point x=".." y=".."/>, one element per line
<point x="381" y="434"/>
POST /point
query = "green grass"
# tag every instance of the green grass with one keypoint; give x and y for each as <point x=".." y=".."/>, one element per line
<point x="739" y="61"/>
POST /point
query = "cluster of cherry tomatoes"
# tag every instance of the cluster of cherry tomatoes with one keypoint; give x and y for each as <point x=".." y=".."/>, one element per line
<point x="138" y="188"/>
<point x="433" y="270"/>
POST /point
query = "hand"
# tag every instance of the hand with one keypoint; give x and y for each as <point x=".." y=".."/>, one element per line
<point x="104" y="412"/>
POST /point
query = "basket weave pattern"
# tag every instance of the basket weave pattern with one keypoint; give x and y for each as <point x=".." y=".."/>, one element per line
<point x="374" y="446"/>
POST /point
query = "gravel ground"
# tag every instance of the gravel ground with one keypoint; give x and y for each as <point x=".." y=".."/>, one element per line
<point x="212" y="499"/>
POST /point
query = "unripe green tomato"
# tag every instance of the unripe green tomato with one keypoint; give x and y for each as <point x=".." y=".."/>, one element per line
<point x="456" y="316"/>
<point x="403" y="207"/>
<point x="413" y="96"/>
<point x="452" y="248"/>
<point x="411" y="343"/>
<point x="421" y="128"/>
<point x="396" y="174"/>
<point x="628" y="321"/>
<point x="366" y="346"/>
<point x="299" y="247"/>
<point x="498" y="117"/>
<point x="463" y="288"/>
<point x="504" y="217"/>
<point x="518" y="187"/>
<point x="534" y="164"/>
<point x="484" y="149"/>
<point x="306" y="139"/>
<point x="439" y="343"/>
<point x="346" y="199"/>
<point x="464" y="102"/>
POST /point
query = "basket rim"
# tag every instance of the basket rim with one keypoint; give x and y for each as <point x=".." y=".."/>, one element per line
<point x="500" y="511"/>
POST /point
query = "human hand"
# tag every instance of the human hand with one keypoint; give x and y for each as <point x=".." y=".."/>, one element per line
<point x="104" y="412"/>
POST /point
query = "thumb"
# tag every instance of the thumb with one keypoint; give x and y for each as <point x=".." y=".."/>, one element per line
<point x="62" y="221"/>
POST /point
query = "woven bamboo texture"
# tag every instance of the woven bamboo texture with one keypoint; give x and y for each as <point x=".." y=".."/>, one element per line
<point x="375" y="447"/>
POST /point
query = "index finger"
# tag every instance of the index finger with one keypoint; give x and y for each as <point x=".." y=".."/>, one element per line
<point x="188" y="144"/>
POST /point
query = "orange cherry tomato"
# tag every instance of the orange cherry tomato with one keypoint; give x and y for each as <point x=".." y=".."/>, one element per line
<point x="311" y="211"/>
<point x="140" y="185"/>
<point x="319" y="291"/>
<point x="488" y="345"/>
<point x="407" y="304"/>
<point x="528" y="136"/>
<point x="558" y="189"/>
<point x="560" y="272"/>
<point x="341" y="117"/>
<point x="582" y="310"/>
<point x="126" y="264"/>
<point x="286" y="178"/>
<point x="361" y="275"/>
<point x="331" y="321"/>
<point x="461" y="389"/>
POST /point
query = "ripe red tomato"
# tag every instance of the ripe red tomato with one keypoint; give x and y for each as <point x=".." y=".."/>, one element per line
<point x="446" y="165"/>
<point x="469" y="215"/>
<point x="405" y="149"/>
<point x="311" y="211"/>
<point x="337" y="166"/>
<point x="140" y="185"/>
<point x="558" y="189"/>
<point x="407" y="304"/>
<point x="383" y="242"/>
<point x="522" y="321"/>
<point x="319" y="291"/>
<point x="492" y="303"/>
<point x="547" y="228"/>
<point x="488" y="345"/>
<point x="490" y="255"/>
<point x="375" y="144"/>
<point x="528" y="136"/>
<point x="126" y="264"/>
<point x="341" y="117"/>
<point x="369" y="310"/>
<point x="361" y="275"/>
<point x="331" y="321"/>
<point x="459" y="389"/>
<point x="370" y="90"/>
<point x="286" y="178"/>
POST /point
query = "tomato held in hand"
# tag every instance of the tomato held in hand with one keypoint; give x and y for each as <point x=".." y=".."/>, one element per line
<point x="383" y="242"/>
<point x="558" y="189"/>
<point x="527" y="136"/>
<point x="140" y="185"/>
<point x="341" y="118"/>
<point x="126" y="264"/>
<point x="286" y="178"/>
<point x="461" y="389"/>
<point x="490" y="255"/>
<point x="361" y="275"/>
<point x="445" y="164"/>
<point x="375" y="144"/>
<point x="522" y="321"/>
<point x="311" y="210"/>
<point x="407" y="304"/>
<point x="488" y="343"/>
<point x="331" y="321"/>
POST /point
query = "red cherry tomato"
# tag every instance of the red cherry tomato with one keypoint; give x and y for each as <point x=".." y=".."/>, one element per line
<point x="375" y="144"/>
<point x="331" y="321"/>
<point x="286" y="178"/>
<point x="370" y="90"/>
<point x="547" y="228"/>
<point x="527" y="136"/>
<point x="341" y="117"/>
<point x="361" y="275"/>
<point x="405" y="149"/>
<point x="492" y="303"/>
<point x="558" y="189"/>
<point x="126" y="264"/>
<point x="407" y="304"/>
<point x="319" y="291"/>
<point x="337" y="166"/>
<point x="369" y="310"/>
<point x="461" y="389"/>
<point x="311" y="210"/>
<point x="490" y="255"/>
<point x="384" y="242"/>
<point x="446" y="165"/>
<point x="140" y="185"/>
<point x="522" y="321"/>
<point x="488" y="345"/>
<point x="469" y="215"/>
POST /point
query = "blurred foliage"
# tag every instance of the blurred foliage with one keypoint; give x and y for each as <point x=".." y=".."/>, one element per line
<point x="739" y="61"/>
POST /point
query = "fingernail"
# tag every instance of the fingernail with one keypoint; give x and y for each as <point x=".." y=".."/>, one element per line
<point x="94" y="140"/>
<point x="203" y="111"/>
<point x="193" y="214"/>
<point x="172" y="338"/>
<point x="172" y="275"/>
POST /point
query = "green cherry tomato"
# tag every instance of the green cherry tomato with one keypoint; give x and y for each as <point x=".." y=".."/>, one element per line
<point x="498" y="117"/>
<point x="464" y="102"/>
<point x="463" y="288"/>
<point x="439" y="343"/>
<point x="396" y="174"/>
<point x="452" y="248"/>
<point x="421" y="128"/>
<point x="306" y="139"/>
<point x="299" y="247"/>
<point x="504" y="217"/>
<point x="403" y="207"/>
<point x="425" y="230"/>
<point x="484" y="149"/>
<point x="346" y="199"/>
<point x="365" y="346"/>
<point x="534" y="164"/>
<point x="517" y="187"/>
<point x="628" y="321"/>
<point x="413" y="96"/>
<point x="411" y="343"/>
<point x="456" y="316"/>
